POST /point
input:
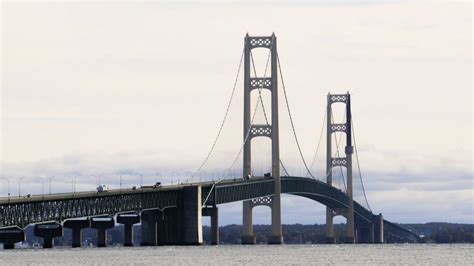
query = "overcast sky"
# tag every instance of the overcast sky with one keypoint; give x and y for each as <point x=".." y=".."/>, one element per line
<point x="109" y="89"/>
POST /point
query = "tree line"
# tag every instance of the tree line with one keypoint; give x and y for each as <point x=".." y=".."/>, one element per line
<point x="292" y="234"/>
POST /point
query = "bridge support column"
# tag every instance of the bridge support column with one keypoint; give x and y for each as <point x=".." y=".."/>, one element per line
<point x="379" y="237"/>
<point x="48" y="232"/>
<point x="11" y="235"/>
<point x="213" y="212"/>
<point x="149" y="233"/>
<point x="270" y="129"/>
<point x="77" y="225"/>
<point x="192" y="215"/>
<point x="128" y="220"/>
<point x="332" y="162"/>
<point x="330" y="239"/>
<point x="350" y="230"/>
<point x="247" y="237"/>
<point x="169" y="225"/>
<point x="364" y="233"/>
<point x="101" y="224"/>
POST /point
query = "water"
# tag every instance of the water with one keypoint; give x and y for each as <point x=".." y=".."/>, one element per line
<point x="419" y="254"/>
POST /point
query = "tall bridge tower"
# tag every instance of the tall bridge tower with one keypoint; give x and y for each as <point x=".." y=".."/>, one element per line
<point x="262" y="130"/>
<point x="346" y="161"/>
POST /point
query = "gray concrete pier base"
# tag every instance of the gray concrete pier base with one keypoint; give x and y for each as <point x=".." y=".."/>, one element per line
<point x="364" y="233"/>
<point x="379" y="237"/>
<point x="192" y="215"/>
<point x="169" y="225"/>
<point x="11" y="235"/>
<point x="76" y="225"/>
<point x="275" y="240"/>
<point x="148" y="228"/>
<point x="248" y="240"/>
<point x="48" y="232"/>
<point x="213" y="212"/>
<point x="101" y="224"/>
<point x="128" y="220"/>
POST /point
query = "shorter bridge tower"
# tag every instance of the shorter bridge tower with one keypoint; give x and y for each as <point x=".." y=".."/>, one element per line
<point x="265" y="130"/>
<point x="346" y="161"/>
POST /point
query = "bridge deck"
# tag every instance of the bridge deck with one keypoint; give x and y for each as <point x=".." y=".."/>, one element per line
<point x="21" y="211"/>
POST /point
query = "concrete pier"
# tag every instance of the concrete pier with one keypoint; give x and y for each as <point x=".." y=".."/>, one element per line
<point x="192" y="215"/>
<point x="213" y="212"/>
<point x="128" y="220"/>
<point x="48" y="232"/>
<point x="162" y="226"/>
<point x="379" y="237"/>
<point x="11" y="235"/>
<point x="148" y="228"/>
<point x="77" y="225"/>
<point x="169" y="226"/>
<point x="101" y="224"/>
<point x="248" y="238"/>
<point x="364" y="233"/>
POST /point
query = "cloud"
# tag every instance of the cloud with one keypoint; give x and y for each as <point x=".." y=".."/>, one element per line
<point x="402" y="196"/>
<point x="112" y="90"/>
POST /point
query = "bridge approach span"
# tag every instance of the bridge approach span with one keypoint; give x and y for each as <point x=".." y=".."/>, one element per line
<point x="36" y="209"/>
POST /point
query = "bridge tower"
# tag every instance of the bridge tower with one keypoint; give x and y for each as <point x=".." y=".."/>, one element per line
<point x="346" y="161"/>
<point x="263" y="130"/>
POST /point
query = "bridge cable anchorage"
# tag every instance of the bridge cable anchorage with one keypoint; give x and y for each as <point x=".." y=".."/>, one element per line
<point x="223" y="120"/>
<point x="319" y="142"/>
<point x="337" y="140"/>
<point x="210" y="191"/>
<point x="291" y="118"/>
<point x="358" y="165"/>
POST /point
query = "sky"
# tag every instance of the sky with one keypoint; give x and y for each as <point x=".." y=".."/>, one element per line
<point x="98" y="90"/>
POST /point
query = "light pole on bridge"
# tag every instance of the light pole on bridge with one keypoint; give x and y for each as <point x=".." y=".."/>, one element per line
<point x="172" y="176"/>
<point x="98" y="178"/>
<point x="188" y="174"/>
<point x="73" y="184"/>
<point x="19" y="186"/>
<point x="42" y="184"/>
<point x="158" y="174"/>
<point x="8" y="182"/>
<point x="50" y="179"/>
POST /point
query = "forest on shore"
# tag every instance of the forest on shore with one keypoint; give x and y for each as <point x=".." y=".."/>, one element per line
<point x="292" y="233"/>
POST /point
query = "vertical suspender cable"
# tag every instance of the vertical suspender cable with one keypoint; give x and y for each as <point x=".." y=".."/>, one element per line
<point x="291" y="119"/>
<point x="223" y="120"/>
<point x="319" y="142"/>
<point x="358" y="165"/>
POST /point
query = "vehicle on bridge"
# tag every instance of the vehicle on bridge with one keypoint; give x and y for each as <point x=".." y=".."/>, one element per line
<point x="102" y="188"/>
<point x="156" y="185"/>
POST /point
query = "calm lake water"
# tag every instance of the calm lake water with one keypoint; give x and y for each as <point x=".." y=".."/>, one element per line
<point x="412" y="254"/>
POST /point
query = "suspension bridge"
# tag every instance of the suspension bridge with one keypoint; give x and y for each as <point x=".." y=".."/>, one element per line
<point x="172" y="214"/>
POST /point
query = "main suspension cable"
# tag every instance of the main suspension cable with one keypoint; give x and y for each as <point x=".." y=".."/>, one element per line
<point x="358" y="165"/>
<point x="319" y="142"/>
<point x="245" y="139"/>
<point x="291" y="118"/>
<point x="224" y="119"/>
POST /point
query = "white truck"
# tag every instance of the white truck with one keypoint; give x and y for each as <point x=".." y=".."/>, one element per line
<point x="102" y="188"/>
